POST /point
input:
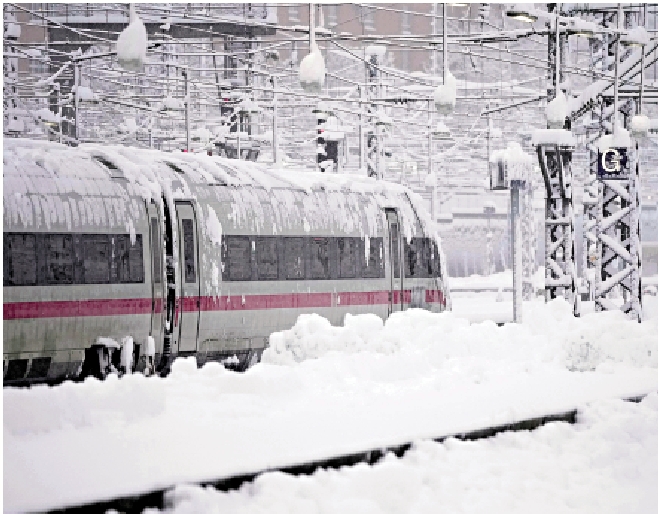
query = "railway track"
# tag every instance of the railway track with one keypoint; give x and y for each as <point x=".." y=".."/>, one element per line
<point x="158" y="498"/>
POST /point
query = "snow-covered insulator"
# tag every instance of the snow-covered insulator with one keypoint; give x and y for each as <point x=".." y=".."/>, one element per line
<point x="321" y="111"/>
<point x="312" y="71"/>
<point x="131" y="44"/>
<point x="445" y="95"/>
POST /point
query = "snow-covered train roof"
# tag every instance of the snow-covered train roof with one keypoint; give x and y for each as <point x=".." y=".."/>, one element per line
<point x="48" y="185"/>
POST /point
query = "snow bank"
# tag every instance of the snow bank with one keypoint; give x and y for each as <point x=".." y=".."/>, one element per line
<point x="578" y="343"/>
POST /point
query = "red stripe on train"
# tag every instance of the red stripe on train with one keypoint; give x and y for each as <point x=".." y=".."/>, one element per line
<point x="114" y="307"/>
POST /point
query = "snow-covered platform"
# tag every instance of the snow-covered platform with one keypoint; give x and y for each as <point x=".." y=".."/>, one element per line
<point x="322" y="391"/>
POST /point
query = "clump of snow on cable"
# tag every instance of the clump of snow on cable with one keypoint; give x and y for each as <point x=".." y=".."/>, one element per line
<point x="441" y="130"/>
<point x="248" y="105"/>
<point x="131" y="44"/>
<point x="171" y="103"/>
<point x="556" y="111"/>
<point x="636" y="36"/>
<point x="430" y="180"/>
<point x="445" y="95"/>
<point x="620" y="138"/>
<point x="312" y="70"/>
<point x="47" y="115"/>
<point x="375" y="50"/>
<point x="85" y="94"/>
<point x="129" y="126"/>
<point x="640" y="125"/>
<point x="201" y="134"/>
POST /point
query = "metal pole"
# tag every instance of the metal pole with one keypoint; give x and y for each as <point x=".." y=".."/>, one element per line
<point x="639" y="110"/>
<point x="516" y="251"/>
<point x="311" y="26"/>
<point x="557" y="50"/>
<point x="275" y="139"/>
<point x="187" y="111"/>
<point x="614" y="112"/>
<point x="445" y="44"/>
<point x="76" y="79"/>
<point x="59" y="111"/>
<point x="435" y="63"/>
<point x="361" y="145"/>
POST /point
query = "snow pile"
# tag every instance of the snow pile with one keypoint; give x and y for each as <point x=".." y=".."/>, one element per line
<point x="556" y="111"/>
<point x="620" y="138"/>
<point x="445" y="95"/>
<point x="312" y="70"/>
<point x="578" y="343"/>
<point x="131" y="44"/>
<point x="603" y="464"/>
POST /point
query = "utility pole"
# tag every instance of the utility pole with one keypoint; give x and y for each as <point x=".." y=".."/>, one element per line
<point x="275" y="137"/>
<point x="187" y="110"/>
<point x="76" y="80"/>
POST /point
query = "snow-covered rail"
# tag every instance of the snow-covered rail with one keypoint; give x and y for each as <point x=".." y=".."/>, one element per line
<point x="160" y="498"/>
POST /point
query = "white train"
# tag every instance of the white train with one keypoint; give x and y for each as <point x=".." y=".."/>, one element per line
<point x="116" y="257"/>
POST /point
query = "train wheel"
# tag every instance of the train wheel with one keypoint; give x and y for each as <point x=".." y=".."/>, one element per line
<point x="96" y="363"/>
<point x="252" y="359"/>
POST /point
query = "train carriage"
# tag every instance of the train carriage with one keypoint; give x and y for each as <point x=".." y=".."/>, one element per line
<point x="116" y="256"/>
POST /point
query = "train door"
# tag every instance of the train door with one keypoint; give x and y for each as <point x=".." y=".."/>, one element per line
<point x="157" y="281"/>
<point x="395" y="293"/>
<point x="188" y="266"/>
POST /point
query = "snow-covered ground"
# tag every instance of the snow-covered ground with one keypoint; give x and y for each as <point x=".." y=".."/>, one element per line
<point x="606" y="463"/>
<point x="324" y="391"/>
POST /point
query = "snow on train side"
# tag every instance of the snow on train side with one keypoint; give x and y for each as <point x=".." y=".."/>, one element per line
<point x="117" y="258"/>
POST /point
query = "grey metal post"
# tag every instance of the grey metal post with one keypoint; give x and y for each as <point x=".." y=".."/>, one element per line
<point x="76" y="80"/>
<point x="187" y="110"/>
<point x="445" y="43"/>
<point x="362" y="158"/>
<point x="59" y="111"/>
<point x="275" y="139"/>
<point x="517" y="265"/>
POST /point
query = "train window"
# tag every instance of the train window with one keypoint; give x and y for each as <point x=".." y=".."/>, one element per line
<point x="319" y="262"/>
<point x="19" y="260"/>
<point x="155" y="251"/>
<point x="188" y="251"/>
<point x="59" y="258"/>
<point x="294" y="257"/>
<point x="373" y="258"/>
<point x="96" y="259"/>
<point x="128" y="265"/>
<point x="395" y="248"/>
<point x="237" y="258"/>
<point x="435" y="260"/>
<point x="417" y="258"/>
<point x="267" y="258"/>
<point x="347" y="257"/>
